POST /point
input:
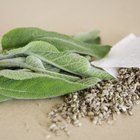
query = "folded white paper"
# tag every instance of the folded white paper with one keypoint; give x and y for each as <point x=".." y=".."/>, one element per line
<point x="126" y="53"/>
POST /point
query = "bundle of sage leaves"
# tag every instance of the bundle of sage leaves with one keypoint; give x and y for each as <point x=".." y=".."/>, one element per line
<point x="36" y="64"/>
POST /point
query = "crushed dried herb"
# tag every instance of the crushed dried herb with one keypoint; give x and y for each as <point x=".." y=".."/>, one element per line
<point x="99" y="103"/>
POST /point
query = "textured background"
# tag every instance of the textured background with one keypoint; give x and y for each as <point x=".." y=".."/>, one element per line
<point x="20" y="120"/>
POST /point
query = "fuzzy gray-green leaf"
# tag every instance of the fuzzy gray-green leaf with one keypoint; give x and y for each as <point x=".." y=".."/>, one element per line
<point x="91" y="37"/>
<point x="19" y="37"/>
<point x="41" y="87"/>
<point x="9" y="63"/>
<point x="4" y="98"/>
<point x="67" y="61"/>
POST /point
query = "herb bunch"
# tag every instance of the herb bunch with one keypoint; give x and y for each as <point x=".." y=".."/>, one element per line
<point x="36" y="64"/>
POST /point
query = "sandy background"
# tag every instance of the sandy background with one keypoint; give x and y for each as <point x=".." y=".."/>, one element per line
<point x="27" y="120"/>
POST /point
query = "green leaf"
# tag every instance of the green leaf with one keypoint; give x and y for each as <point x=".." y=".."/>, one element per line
<point x="19" y="37"/>
<point x="67" y="61"/>
<point x="96" y="72"/>
<point x="34" y="61"/>
<point x="35" y="46"/>
<point x="41" y="87"/>
<point x="50" y="67"/>
<point x="19" y="74"/>
<point x="91" y="37"/>
<point x="4" y="98"/>
<point x="73" y="63"/>
<point x="9" y="63"/>
<point x="12" y="62"/>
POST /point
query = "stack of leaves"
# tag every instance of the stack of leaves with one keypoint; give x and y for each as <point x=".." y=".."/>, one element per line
<point x="36" y="64"/>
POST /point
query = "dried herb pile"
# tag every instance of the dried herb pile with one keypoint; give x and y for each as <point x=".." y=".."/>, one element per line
<point x="99" y="103"/>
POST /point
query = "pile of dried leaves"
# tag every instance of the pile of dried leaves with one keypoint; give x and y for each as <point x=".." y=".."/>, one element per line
<point x="99" y="103"/>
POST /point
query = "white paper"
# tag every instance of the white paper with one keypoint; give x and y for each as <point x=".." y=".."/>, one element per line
<point x="126" y="53"/>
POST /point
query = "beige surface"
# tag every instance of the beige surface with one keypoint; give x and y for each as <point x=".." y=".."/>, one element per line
<point x="27" y="120"/>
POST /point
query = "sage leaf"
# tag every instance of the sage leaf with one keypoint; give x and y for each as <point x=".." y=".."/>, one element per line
<point x="41" y="87"/>
<point x="67" y="61"/>
<point x="91" y="37"/>
<point x="19" y="37"/>
<point x="4" y="98"/>
<point x="51" y="68"/>
<point x="34" y="46"/>
<point x="34" y="61"/>
<point x="8" y="63"/>
<point x="14" y="62"/>
<point x="73" y="63"/>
